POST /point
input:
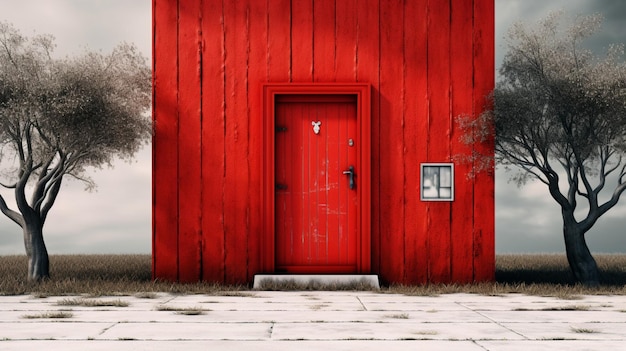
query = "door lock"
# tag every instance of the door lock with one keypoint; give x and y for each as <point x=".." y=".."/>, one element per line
<point x="350" y="173"/>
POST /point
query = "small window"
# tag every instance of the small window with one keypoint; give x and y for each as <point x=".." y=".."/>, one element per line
<point x="437" y="182"/>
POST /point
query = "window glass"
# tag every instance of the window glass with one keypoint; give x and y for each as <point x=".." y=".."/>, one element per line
<point x="437" y="183"/>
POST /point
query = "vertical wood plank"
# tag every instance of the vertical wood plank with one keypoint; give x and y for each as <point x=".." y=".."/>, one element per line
<point x="346" y="19"/>
<point x="279" y="53"/>
<point x="285" y="210"/>
<point x="236" y="146"/>
<point x="319" y="171"/>
<point x="462" y="101"/>
<point x="391" y="144"/>
<point x="324" y="41"/>
<point x="352" y="235"/>
<point x="165" y="143"/>
<point x="213" y="140"/>
<point x="415" y="140"/>
<point x="189" y="141"/>
<point x="484" y="237"/>
<point x="302" y="41"/>
<point x="279" y="41"/>
<point x="257" y="74"/>
<point x="439" y="133"/>
<point x="368" y="65"/>
<point x="334" y="207"/>
<point x="304" y="176"/>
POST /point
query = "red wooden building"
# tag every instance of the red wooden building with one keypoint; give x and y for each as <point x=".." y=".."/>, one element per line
<point x="317" y="136"/>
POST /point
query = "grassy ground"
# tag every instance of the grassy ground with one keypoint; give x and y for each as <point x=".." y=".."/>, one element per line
<point x="96" y="275"/>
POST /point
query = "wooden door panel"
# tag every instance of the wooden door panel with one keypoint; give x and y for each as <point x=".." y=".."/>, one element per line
<point x="316" y="211"/>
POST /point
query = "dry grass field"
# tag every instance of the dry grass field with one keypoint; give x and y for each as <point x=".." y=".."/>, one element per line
<point x="98" y="275"/>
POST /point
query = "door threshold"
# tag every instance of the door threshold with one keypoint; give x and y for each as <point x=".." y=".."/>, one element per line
<point x="316" y="282"/>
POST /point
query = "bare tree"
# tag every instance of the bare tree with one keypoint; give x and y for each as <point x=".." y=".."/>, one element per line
<point x="58" y="118"/>
<point x="560" y="117"/>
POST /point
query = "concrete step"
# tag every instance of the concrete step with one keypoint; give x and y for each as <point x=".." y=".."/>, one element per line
<point x="316" y="282"/>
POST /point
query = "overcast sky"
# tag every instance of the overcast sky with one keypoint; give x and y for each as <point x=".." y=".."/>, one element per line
<point x="117" y="218"/>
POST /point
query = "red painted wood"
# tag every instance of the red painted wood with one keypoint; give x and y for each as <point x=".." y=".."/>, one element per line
<point x="287" y="206"/>
<point x="324" y="40"/>
<point x="236" y="142"/>
<point x="340" y="126"/>
<point x="364" y="164"/>
<point x="189" y="139"/>
<point x="391" y="195"/>
<point x="415" y="142"/>
<point x="440" y="118"/>
<point x="368" y="50"/>
<point x="316" y="212"/>
<point x="256" y="73"/>
<point x="299" y="205"/>
<point x="213" y="137"/>
<point x="346" y="40"/>
<point x="278" y="60"/>
<point x="484" y="239"/>
<point x="165" y="144"/>
<point x="462" y="101"/>
<point x="268" y="182"/>
<point x="246" y="44"/>
<point x="302" y="41"/>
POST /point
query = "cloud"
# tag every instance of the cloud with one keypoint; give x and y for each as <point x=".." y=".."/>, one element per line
<point x="529" y="12"/>
<point x="116" y="218"/>
<point x="111" y="219"/>
<point x="78" y="24"/>
<point x="528" y="219"/>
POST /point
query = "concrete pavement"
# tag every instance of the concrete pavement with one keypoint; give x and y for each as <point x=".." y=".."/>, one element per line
<point x="262" y="320"/>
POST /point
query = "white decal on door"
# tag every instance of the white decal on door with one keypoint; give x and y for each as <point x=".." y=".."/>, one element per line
<point x="316" y="126"/>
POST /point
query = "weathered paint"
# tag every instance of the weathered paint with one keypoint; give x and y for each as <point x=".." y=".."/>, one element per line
<point x="426" y="62"/>
<point x="356" y="98"/>
<point x="315" y="209"/>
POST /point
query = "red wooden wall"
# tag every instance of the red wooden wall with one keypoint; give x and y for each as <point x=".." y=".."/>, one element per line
<point x="427" y="61"/>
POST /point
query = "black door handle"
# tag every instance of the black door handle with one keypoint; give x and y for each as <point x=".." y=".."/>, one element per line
<point x="350" y="174"/>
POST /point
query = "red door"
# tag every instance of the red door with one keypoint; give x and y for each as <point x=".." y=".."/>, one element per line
<point x="317" y="176"/>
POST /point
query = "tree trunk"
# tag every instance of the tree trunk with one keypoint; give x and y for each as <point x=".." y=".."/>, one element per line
<point x="38" y="263"/>
<point x="581" y="262"/>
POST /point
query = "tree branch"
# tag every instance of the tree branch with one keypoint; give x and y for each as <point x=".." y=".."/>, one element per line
<point x="593" y="216"/>
<point x="52" y="179"/>
<point x="52" y="196"/>
<point x="8" y="186"/>
<point x="12" y="215"/>
<point x="44" y="178"/>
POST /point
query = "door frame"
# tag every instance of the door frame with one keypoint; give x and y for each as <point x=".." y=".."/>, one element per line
<point x="362" y="91"/>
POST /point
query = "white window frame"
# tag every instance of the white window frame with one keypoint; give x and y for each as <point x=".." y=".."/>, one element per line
<point x="432" y="173"/>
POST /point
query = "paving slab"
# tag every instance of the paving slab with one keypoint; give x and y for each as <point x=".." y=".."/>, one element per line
<point x="271" y="306"/>
<point x="391" y="331"/>
<point x="50" y="330"/>
<point x="551" y="345"/>
<point x="187" y="331"/>
<point x="351" y="345"/>
<point x="313" y="320"/>
<point x="590" y="316"/>
<point x="569" y="331"/>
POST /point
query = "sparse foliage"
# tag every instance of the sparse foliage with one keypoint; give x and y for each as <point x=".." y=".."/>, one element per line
<point x="60" y="117"/>
<point x="560" y="118"/>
